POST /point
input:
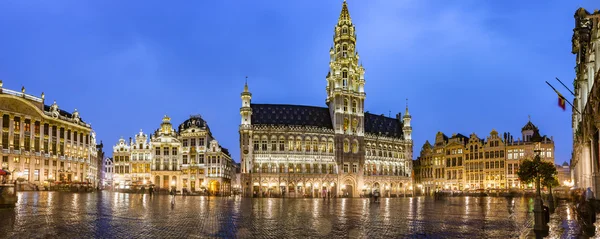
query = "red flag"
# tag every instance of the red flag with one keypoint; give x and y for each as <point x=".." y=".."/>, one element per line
<point x="561" y="102"/>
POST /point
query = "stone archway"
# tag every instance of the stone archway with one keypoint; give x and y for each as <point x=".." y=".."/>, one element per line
<point x="348" y="187"/>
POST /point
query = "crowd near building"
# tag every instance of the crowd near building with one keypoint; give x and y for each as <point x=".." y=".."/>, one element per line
<point x="189" y="159"/>
<point x="461" y="163"/>
<point x="585" y="161"/>
<point x="332" y="151"/>
<point x="43" y="144"/>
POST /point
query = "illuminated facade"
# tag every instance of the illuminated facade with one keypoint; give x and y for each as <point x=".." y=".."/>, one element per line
<point x="586" y="46"/>
<point x="463" y="163"/>
<point x="42" y="143"/>
<point x="188" y="159"/>
<point x="338" y="150"/>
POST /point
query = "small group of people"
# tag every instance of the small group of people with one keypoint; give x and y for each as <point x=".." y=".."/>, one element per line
<point x="586" y="205"/>
<point x="374" y="196"/>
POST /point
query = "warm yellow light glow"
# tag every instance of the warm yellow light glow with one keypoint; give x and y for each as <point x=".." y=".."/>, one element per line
<point x="145" y="181"/>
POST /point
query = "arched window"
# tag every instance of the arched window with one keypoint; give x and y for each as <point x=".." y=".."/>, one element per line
<point x="345" y="105"/>
<point x="307" y="144"/>
<point x="299" y="144"/>
<point x="330" y="145"/>
<point x="354" y="106"/>
<point x="345" y="50"/>
<point x="345" y="78"/>
<point x="346" y="146"/>
<point x="344" y="30"/>
<point x="355" y="146"/>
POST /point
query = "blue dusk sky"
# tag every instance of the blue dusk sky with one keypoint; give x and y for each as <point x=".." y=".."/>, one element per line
<point x="465" y="65"/>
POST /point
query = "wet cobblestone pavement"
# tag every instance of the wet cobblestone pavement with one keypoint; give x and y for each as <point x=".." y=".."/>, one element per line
<point x="116" y="215"/>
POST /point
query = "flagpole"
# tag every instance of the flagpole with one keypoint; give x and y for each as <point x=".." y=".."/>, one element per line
<point x="562" y="97"/>
<point x="565" y="86"/>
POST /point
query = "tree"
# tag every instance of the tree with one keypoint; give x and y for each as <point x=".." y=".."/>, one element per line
<point x="537" y="170"/>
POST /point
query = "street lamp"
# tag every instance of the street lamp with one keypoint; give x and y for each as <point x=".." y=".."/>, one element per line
<point x="538" y="208"/>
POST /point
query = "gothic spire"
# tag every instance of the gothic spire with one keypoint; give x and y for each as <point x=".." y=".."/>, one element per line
<point x="344" y="15"/>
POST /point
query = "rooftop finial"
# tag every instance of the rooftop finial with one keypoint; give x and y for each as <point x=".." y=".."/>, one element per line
<point x="246" y="85"/>
<point x="529" y="116"/>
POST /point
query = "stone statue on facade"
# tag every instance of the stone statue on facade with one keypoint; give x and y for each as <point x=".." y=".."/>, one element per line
<point x="54" y="110"/>
<point x="76" y="117"/>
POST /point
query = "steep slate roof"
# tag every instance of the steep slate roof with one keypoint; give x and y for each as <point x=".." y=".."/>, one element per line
<point x="389" y="127"/>
<point x="301" y="115"/>
<point x="297" y="115"/>
<point x="225" y="151"/>
<point x="193" y="121"/>
<point x="529" y="126"/>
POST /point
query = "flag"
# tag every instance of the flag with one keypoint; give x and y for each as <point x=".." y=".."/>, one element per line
<point x="561" y="102"/>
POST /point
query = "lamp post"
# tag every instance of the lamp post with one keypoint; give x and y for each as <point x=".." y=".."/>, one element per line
<point x="540" y="226"/>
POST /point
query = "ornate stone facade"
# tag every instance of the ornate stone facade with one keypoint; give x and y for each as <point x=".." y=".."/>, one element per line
<point x="462" y="163"/>
<point x="338" y="150"/>
<point x="42" y="144"/>
<point x="189" y="159"/>
<point x="586" y="110"/>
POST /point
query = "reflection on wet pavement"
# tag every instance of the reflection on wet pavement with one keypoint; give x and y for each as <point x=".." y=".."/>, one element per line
<point x="109" y="214"/>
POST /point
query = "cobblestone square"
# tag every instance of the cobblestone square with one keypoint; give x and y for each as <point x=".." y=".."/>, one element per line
<point x="118" y="215"/>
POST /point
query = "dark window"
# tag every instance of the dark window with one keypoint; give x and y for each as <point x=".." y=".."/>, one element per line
<point x="46" y="129"/>
<point x="157" y="149"/>
<point x="5" y="140"/>
<point x="68" y="134"/>
<point x="192" y="142"/>
<point x="201" y="142"/>
<point x="5" y="121"/>
<point x="62" y="133"/>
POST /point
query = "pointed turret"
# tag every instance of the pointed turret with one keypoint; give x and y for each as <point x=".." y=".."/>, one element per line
<point x="344" y="15"/>
<point x="407" y="129"/>
<point x="246" y="110"/>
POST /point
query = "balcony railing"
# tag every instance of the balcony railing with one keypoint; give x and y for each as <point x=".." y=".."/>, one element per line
<point x="21" y="94"/>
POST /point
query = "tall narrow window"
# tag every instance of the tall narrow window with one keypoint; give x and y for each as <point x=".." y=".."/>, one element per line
<point x="344" y="79"/>
<point x="5" y="121"/>
<point x="345" y="105"/>
<point x="27" y="125"/>
<point x="17" y="124"/>
<point x="354" y="106"/>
